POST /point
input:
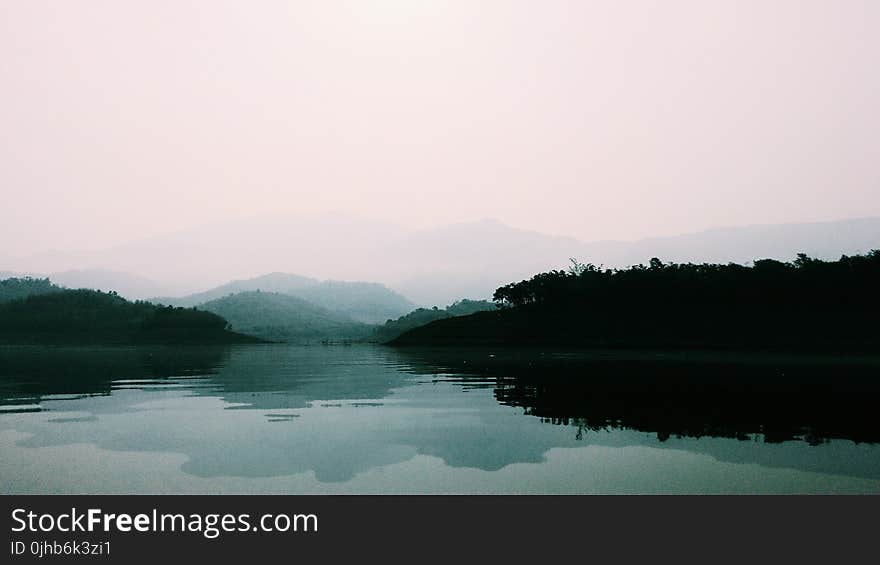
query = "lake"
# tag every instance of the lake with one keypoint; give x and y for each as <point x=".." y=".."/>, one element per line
<point x="374" y="419"/>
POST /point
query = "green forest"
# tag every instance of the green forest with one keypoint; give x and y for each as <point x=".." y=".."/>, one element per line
<point x="804" y="303"/>
<point x="34" y="310"/>
<point x="421" y="316"/>
<point x="91" y="316"/>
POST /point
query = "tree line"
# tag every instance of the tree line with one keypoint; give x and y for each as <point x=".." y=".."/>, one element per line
<point x="802" y="303"/>
<point x="804" y="283"/>
<point x="84" y="315"/>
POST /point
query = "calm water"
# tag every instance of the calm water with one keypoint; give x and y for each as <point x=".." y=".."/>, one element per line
<point x="370" y="419"/>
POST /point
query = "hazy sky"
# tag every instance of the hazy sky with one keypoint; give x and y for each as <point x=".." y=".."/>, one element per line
<point x="615" y="119"/>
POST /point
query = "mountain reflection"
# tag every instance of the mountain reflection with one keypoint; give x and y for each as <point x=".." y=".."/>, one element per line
<point x="272" y="410"/>
<point x="773" y="398"/>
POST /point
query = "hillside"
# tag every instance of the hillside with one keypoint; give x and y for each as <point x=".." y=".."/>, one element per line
<point x="19" y="288"/>
<point x="430" y="266"/>
<point x="89" y="316"/>
<point x="368" y="303"/>
<point x="807" y="303"/>
<point x="280" y="317"/>
<point x="421" y="316"/>
<point x="283" y="283"/>
<point x="130" y="286"/>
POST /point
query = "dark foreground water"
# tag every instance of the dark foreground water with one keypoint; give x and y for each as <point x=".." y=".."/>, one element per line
<point x="370" y="419"/>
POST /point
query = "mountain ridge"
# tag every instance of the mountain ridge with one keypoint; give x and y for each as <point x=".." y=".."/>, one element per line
<point x="282" y="317"/>
<point x="433" y="266"/>
<point x="363" y="302"/>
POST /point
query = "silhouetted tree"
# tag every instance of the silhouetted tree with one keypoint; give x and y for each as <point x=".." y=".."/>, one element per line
<point x="806" y="302"/>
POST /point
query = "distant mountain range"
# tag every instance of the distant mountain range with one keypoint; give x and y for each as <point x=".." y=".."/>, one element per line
<point x="352" y="302"/>
<point x="281" y="317"/>
<point x="429" y="266"/>
<point x="283" y="283"/>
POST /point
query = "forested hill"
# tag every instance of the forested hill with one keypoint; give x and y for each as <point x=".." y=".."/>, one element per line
<point x="421" y="316"/>
<point x="18" y="288"/>
<point x="368" y="303"/>
<point x="284" y="283"/>
<point x="280" y="317"/>
<point x="806" y="303"/>
<point x="90" y="316"/>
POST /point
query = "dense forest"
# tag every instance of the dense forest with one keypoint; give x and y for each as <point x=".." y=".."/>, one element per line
<point x="91" y="316"/>
<point x="421" y="316"/>
<point x="97" y="317"/>
<point x="803" y="303"/>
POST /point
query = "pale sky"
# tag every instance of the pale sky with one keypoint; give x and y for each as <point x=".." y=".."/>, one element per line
<point x="597" y="120"/>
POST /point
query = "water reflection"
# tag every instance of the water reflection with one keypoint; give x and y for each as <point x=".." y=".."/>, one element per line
<point x="787" y="403"/>
<point x="336" y="413"/>
<point x="30" y="373"/>
<point x="775" y="398"/>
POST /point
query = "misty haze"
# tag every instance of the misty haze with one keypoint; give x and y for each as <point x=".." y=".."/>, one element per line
<point x="441" y="246"/>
